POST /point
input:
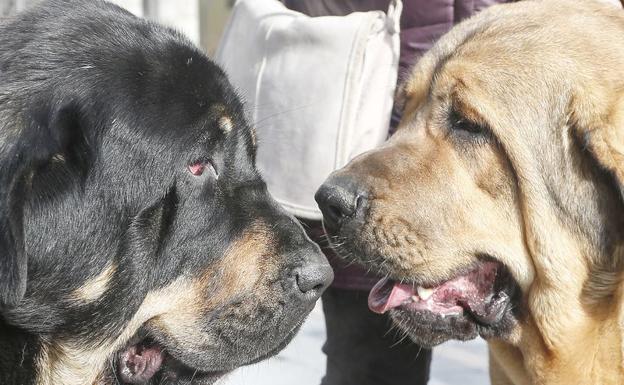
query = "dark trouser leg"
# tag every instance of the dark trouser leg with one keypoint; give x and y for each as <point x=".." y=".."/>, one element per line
<point x="362" y="349"/>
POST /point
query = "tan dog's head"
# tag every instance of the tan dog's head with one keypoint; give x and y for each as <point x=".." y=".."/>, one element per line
<point x="496" y="208"/>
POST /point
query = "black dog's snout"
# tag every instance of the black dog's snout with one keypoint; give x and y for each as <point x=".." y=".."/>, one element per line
<point x="313" y="276"/>
<point x="339" y="200"/>
<point x="313" y="279"/>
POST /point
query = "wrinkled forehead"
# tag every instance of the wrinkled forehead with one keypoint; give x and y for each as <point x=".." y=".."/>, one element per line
<point x="209" y="115"/>
<point x="489" y="67"/>
<point x="185" y="99"/>
<point x="494" y="36"/>
<point x="416" y="90"/>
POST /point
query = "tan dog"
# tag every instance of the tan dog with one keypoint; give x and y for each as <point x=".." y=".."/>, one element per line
<point x="496" y="209"/>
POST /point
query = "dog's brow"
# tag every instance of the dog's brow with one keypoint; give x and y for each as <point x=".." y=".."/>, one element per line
<point x="462" y="106"/>
<point x="224" y="119"/>
<point x="225" y="124"/>
<point x="446" y="57"/>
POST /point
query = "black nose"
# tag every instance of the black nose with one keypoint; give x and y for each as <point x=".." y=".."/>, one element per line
<point x="312" y="274"/>
<point x="312" y="279"/>
<point x="339" y="200"/>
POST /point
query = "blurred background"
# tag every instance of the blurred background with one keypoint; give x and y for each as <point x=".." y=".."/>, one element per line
<point x="302" y="362"/>
<point x="181" y="14"/>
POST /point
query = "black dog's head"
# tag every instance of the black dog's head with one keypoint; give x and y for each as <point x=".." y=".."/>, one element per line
<point x="138" y="242"/>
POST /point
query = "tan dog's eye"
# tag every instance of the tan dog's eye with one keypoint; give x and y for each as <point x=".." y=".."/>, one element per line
<point x="469" y="127"/>
<point x="465" y="129"/>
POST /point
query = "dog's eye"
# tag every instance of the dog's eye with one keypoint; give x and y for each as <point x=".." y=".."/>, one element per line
<point x="461" y="124"/>
<point x="467" y="130"/>
<point x="203" y="167"/>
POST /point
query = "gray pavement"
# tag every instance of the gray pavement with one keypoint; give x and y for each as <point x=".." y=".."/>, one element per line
<point x="303" y="363"/>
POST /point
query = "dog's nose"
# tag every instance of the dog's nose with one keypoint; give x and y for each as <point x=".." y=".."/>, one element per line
<point x="339" y="200"/>
<point x="312" y="280"/>
<point x="313" y="276"/>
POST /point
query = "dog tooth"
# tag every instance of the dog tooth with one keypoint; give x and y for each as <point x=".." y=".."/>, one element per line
<point x="414" y="298"/>
<point x="424" y="293"/>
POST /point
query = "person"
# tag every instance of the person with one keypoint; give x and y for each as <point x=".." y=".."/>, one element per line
<point x="361" y="347"/>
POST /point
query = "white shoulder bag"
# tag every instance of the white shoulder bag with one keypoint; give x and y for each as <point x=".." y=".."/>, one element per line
<point x="318" y="89"/>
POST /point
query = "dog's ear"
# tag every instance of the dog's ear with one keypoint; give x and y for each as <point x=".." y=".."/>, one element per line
<point x="46" y="133"/>
<point x="603" y="135"/>
<point x="13" y="263"/>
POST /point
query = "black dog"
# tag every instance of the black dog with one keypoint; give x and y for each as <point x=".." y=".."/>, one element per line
<point x="138" y="244"/>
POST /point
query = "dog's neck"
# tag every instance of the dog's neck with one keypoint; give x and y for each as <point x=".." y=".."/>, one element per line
<point x="597" y="360"/>
<point x="569" y="341"/>
<point x="18" y="354"/>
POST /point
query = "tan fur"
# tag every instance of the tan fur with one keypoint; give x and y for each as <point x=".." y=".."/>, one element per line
<point x="95" y="287"/>
<point x="69" y="363"/>
<point x="224" y="120"/>
<point x="225" y="123"/>
<point x="240" y="271"/>
<point x="535" y="197"/>
<point x="175" y="310"/>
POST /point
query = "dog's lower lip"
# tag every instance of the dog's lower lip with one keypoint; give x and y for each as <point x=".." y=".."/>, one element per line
<point x="495" y="309"/>
<point x="145" y="359"/>
<point x="141" y="362"/>
<point x="138" y="363"/>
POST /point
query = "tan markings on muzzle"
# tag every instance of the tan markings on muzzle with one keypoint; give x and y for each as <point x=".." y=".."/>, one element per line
<point x="245" y="260"/>
<point x="77" y="362"/>
<point x="95" y="287"/>
<point x="176" y="310"/>
<point x="239" y="273"/>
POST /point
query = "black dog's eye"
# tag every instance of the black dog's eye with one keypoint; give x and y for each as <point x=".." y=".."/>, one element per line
<point x="203" y="167"/>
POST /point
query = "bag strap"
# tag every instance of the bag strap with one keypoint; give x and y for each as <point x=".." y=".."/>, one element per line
<point x="395" y="9"/>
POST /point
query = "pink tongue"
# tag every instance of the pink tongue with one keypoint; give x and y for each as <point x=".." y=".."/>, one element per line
<point x="387" y="295"/>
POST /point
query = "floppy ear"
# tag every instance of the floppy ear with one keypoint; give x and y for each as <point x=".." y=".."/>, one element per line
<point x="48" y="131"/>
<point x="13" y="263"/>
<point x="604" y="137"/>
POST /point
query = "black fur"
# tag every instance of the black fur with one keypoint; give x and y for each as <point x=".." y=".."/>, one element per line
<point x="100" y="115"/>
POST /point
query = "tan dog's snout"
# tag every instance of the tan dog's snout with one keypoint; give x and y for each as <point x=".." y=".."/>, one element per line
<point x="345" y="197"/>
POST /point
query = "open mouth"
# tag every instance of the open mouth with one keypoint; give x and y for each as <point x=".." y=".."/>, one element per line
<point x="138" y="363"/>
<point x="483" y="293"/>
<point x="147" y="362"/>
